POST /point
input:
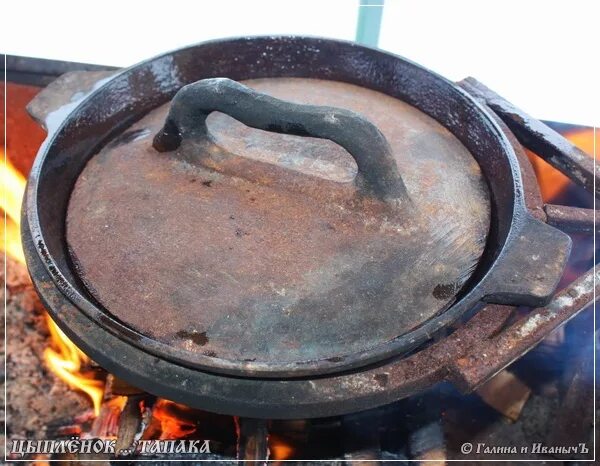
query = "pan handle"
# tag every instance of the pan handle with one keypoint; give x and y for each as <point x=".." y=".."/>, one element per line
<point x="530" y="266"/>
<point x="377" y="169"/>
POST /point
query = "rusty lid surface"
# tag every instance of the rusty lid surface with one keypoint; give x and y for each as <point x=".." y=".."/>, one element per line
<point x="253" y="252"/>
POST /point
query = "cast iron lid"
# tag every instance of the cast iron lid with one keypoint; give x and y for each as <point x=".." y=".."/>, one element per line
<point x="253" y="252"/>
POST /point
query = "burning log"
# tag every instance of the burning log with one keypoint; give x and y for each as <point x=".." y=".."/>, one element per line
<point x="106" y="424"/>
<point x="130" y="423"/>
<point x="170" y="421"/>
<point x="68" y="427"/>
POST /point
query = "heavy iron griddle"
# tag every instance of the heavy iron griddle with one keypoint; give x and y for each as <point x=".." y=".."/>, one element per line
<point x="341" y="266"/>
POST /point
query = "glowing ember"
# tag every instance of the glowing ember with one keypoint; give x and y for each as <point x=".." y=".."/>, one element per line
<point x="279" y="449"/>
<point x="174" y="423"/>
<point x="65" y="360"/>
<point x="10" y="202"/>
<point x="106" y="424"/>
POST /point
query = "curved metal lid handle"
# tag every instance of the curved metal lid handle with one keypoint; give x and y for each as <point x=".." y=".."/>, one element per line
<point x="362" y="139"/>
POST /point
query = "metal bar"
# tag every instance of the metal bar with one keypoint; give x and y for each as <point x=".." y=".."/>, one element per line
<point x="495" y="354"/>
<point x="572" y="219"/>
<point x="533" y="196"/>
<point x="369" y="22"/>
<point x="541" y="139"/>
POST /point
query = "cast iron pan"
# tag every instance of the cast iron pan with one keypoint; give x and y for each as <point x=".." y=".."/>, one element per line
<point x="521" y="265"/>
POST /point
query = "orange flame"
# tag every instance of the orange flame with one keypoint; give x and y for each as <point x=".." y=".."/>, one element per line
<point x="14" y="188"/>
<point x="12" y="244"/>
<point x="280" y="450"/>
<point x="174" y="423"/>
<point x="65" y="360"/>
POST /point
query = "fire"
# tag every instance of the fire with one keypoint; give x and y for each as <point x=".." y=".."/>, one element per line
<point x="174" y="423"/>
<point x="14" y="188"/>
<point x="552" y="182"/>
<point x="279" y="449"/>
<point x="11" y="232"/>
<point x="65" y="360"/>
<point x="62" y="357"/>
